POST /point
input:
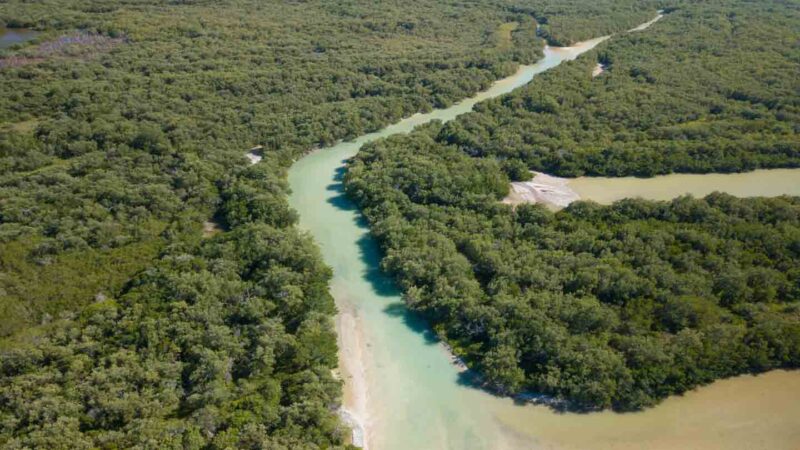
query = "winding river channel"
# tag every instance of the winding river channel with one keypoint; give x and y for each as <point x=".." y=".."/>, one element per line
<point x="403" y="389"/>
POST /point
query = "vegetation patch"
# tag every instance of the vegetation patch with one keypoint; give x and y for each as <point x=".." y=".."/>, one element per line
<point x="81" y="45"/>
<point x="705" y="89"/>
<point x="125" y="327"/>
<point x="601" y="306"/>
<point x="623" y="305"/>
<point x="502" y="35"/>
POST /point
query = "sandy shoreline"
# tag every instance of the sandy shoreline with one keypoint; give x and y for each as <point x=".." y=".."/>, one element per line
<point x="543" y="188"/>
<point x="353" y="411"/>
<point x="455" y="360"/>
<point x="253" y="157"/>
<point x="399" y="391"/>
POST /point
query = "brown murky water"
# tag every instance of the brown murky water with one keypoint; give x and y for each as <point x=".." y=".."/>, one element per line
<point x="767" y="183"/>
<point x="747" y="412"/>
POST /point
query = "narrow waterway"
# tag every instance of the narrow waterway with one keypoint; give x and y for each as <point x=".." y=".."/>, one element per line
<point x="405" y="391"/>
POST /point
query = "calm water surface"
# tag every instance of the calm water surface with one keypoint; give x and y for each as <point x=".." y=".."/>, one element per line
<point x="402" y="386"/>
<point x="767" y="183"/>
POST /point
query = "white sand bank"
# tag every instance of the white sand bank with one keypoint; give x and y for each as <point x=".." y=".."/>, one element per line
<point x="646" y="25"/>
<point x="351" y="363"/>
<point x="253" y="157"/>
<point x="544" y="188"/>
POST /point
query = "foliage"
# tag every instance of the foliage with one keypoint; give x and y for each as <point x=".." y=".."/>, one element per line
<point x="230" y="345"/>
<point x="711" y="87"/>
<point x="123" y="127"/>
<point x="112" y="156"/>
<point x="567" y="22"/>
<point x="603" y="306"/>
<point x="608" y="306"/>
<point x="96" y="142"/>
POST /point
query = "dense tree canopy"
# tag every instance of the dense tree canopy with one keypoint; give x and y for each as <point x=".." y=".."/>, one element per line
<point x="604" y="306"/>
<point x="102" y="149"/>
<point x="609" y="306"/>
<point x="712" y="87"/>
<point x="123" y="119"/>
<point x="226" y="347"/>
<point x="123" y="127"/>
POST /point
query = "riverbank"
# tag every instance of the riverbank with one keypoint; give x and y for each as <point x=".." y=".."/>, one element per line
<point x="647" y="24"/>
<point x="375" y="330"/>
<point x="400" y="382"/>
<point x="352" y="349"/>
<point x="543" y="188"/>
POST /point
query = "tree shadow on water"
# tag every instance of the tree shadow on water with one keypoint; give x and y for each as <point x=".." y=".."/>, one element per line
<point x="413" y="320"/>
<point x="369" y="251"/>
<point x="341" y="201"/>
<point x="381" y="283"/>
<point x="472" y="379"/>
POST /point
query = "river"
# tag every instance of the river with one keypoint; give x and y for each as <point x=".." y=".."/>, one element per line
<point x="401" y="384"/>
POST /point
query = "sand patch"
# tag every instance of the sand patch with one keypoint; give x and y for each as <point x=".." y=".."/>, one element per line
<point x="254" y="155"/>
<point x="353" y="372"/>
<point x="646" y="25"/>
<point x="544" y="188"/>
<point x="211" y="228"/>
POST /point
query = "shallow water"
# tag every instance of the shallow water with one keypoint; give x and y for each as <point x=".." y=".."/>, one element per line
<point x="747" y="413"/>
<point x="11" y="36"/>
<point x="767" y="183"/>
<point x="402" y="386"/>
